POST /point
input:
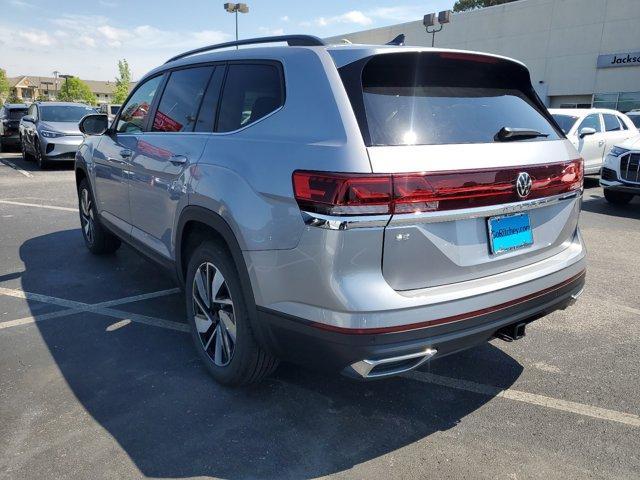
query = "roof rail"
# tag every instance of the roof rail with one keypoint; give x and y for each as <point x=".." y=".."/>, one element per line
<point x="292" y="41"/>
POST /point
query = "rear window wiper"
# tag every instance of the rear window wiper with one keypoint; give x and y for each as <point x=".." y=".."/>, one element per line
<point x="508" y="134"/>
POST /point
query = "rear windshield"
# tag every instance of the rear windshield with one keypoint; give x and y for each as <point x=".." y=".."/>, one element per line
<point x="565" y="121"/>
<point x="16" y="113"/>
<point x="422" y="99"/>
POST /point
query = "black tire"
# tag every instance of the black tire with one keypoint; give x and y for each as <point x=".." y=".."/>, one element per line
<point x="42" y="162"/>
<point x="23" y="148"/>
<point x="97" y="239"/>
<point x="617" y="198"/>
<point x="248" y="362"/>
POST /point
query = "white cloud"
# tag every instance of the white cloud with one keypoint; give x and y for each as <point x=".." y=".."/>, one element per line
<point x="285" y="18"/>
<point x="271" y="31"/>
<point x="90" y="45"/>
<point x="37" y="37"/>
<point x="353" y="17"/>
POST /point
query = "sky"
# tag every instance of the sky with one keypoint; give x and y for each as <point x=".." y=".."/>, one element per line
<point x="86" y="38"/>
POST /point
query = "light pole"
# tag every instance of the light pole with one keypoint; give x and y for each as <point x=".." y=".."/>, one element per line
<point x="429" y="20"/>
<point x="235" y="8"/>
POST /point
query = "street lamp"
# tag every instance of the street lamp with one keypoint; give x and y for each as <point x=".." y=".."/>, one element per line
<point x="429" y="20"/>
<point x="235" y="8"/>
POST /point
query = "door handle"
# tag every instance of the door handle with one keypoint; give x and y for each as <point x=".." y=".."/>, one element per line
<point x="600" y="143"/>
<point x="116" y="160"/>
<point x="179" y="159"/>
<point x="126" y="153"/>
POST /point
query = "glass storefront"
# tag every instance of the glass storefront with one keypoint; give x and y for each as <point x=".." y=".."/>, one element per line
<point x="623" y="102"/>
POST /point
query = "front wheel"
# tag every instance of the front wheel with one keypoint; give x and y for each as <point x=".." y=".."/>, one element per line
<point x="23" y="148"/>
<point x="98" y="240"/>
<point x="40" y="158"/>
<point x="219" y="319"/>
<point x="617" y="198"/>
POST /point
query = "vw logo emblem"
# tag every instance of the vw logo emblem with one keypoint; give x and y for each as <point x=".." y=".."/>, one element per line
<point x="523" y="184"/>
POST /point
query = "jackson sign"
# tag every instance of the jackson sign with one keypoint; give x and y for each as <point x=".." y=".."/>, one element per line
<point x="631" y="59"/>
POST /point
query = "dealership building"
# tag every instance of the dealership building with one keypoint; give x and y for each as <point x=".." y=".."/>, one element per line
<point x="581" y="53"/>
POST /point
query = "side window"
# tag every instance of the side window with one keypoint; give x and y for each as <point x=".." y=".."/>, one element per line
<point x="611" y="123"/>
<point x="136" y="110"/>
<point x="181" y="99"/>
<point x="623" y="123"/>
<point x="207" y="115"/>
<point x="591" y="121"/>
<point x="251" y="92"/>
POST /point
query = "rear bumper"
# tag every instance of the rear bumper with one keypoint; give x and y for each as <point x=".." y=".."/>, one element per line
<point x="345" y="349"/>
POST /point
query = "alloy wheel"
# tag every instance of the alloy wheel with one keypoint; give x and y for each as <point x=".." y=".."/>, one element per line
<point x="214" y="314"/>
<point x="86" y="216"/>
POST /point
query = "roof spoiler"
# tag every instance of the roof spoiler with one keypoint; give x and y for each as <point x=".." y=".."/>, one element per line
<point x="399" y="40"/>
<point x="291" y="40"/>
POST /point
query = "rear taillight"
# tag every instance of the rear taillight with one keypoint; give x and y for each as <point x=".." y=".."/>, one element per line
<point x="357" y="194"/>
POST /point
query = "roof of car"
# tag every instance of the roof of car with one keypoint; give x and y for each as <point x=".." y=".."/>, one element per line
<point x="579" y="112"/>
<point x="62" y="104"/>
<point x="15" y="105"/>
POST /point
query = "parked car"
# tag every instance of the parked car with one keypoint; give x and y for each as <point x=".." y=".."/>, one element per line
<point x="358" y="208"/>
<point x="109" y="109"/>
<point x="50" y="132"/>
<point x="620" y="176"/>
<point x="10" y="115"/>
<point x="634" y="116"/>
<point x="594" y="131"/>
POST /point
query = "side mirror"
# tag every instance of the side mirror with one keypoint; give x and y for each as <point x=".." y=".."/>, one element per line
<point x="29" y="118"/>
<point x="94" y="124"/>
<point x="587" y="131"/>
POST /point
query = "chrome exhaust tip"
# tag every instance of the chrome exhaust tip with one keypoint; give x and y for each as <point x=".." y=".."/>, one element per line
<point x="387" y="367"/>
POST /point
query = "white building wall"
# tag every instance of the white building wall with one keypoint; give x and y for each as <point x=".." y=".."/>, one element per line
<point x="559" y="40"/>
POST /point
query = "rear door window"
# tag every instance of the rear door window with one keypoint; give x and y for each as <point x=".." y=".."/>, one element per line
<point x="180" y="102"/>
<point x="251" y="92"/>
<point x="135" y="112"/>
<point x="611" y="123"/>
<point x="432" y="99"/>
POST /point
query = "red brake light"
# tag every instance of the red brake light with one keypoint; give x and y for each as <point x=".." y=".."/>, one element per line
<point x="357" y="194"/>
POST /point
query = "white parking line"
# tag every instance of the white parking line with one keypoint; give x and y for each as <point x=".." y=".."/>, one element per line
<point x="50" y="207"/>
<point x="74" y="307"/>
<point x="136" y="298"/>
<point x="525" y="397"/>
<point x="15" y="167"/>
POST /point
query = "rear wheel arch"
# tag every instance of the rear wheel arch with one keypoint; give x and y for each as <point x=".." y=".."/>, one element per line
<point x="198" y="224"/>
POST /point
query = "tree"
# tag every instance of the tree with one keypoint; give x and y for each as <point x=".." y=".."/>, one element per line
<point x="75" y="90"/>
<point x="4" y="84"/>
<point x="123" y="82"/>
<point x="465" y="5"/>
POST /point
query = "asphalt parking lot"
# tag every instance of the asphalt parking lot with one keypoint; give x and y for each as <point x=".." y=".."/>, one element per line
<point x="99" y="380"/>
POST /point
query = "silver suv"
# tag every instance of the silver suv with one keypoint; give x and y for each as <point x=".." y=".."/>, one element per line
<point x="359" y="208"/>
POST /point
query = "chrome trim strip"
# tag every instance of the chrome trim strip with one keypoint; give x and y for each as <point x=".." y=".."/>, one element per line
<point x="478" y="212"/>
<point x="364" y="367"/>
<point x="338" y="222"/>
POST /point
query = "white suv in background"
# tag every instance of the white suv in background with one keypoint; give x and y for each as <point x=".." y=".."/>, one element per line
<point x="620" y="177"/>
<point x="594" y="132"/>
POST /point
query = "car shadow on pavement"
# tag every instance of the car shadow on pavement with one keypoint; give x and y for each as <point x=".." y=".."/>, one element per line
<point x="146" y="387"/>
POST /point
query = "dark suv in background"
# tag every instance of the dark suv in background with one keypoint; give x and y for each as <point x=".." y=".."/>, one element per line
<point x="10" y="115"/>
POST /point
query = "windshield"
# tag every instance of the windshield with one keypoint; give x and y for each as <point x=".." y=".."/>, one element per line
<point x="64" y="113"/>
<point x="565" y="121"/>
<point x="426" y="99"/>
<point x="17" y="113"/>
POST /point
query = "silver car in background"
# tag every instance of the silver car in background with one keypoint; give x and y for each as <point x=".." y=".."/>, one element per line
<point x="360" y="208"/>
<point x="49" y="132"/>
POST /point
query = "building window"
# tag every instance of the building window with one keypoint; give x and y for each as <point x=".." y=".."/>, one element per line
<point x="623" y="102"/>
